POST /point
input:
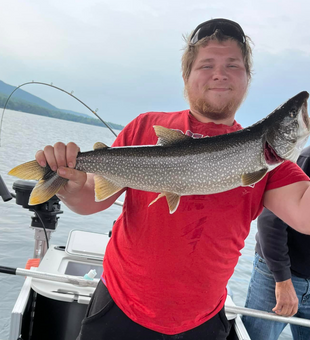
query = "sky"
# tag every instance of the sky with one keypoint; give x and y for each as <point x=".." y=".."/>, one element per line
<point x="123" y="57"/>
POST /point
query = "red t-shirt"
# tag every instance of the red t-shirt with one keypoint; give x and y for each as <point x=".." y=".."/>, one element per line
<point x="168" y="272"/>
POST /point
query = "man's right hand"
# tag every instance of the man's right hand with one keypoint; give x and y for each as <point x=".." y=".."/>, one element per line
<point x="62" y="158"/>
<point x="287" y="301"/>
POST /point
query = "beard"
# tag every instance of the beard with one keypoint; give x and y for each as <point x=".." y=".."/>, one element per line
<point x="215" y="111"/>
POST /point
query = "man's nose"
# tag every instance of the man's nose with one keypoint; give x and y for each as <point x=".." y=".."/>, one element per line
<point x="219" y="73"/>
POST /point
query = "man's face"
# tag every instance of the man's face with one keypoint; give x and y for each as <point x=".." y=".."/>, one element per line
<point x="218" y="82"/>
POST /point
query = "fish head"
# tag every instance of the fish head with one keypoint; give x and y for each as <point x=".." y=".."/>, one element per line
<point x="288" y="130"/>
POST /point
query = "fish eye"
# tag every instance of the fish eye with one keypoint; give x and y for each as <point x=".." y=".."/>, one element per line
<point x="293" y="113"/>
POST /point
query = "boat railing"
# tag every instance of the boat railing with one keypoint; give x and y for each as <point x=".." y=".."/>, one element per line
<point x="79" y="281"/>
<point x="268" y="316"/>
<point x="120" y="203"/>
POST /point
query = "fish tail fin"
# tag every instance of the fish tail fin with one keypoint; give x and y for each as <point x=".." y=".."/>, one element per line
<point x="49" y="181"/>
<point x="30" y="170"/>
<point x="46" y="188"/>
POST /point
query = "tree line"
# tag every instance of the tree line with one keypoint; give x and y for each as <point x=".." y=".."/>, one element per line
<point x="24" y="106"/>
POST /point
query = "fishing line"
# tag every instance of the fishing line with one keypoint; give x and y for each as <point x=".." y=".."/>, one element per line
<point x="44" y="228"/>
<point x="57" y="88"/>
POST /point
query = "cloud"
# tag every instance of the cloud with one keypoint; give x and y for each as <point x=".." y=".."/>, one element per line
<point x="277" y="77"/>
<point x="123" y="57"/>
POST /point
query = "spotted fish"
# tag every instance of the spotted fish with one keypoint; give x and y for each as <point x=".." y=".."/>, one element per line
<point x="180" y="165"/>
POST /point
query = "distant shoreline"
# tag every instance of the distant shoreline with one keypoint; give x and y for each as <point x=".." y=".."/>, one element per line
<point x="100" y="124"/>
<point x="21" y="105"/>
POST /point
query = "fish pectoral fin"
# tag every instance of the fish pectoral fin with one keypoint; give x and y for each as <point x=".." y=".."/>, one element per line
<point x="99" y="145"/>
<point x="173" y="200"/>
<point x="104" y="188"/>
<point x="253" y="177"/>
<point x="167" y="136"/>
<point x="29" y="170"/>
<point x="46" y="188"/>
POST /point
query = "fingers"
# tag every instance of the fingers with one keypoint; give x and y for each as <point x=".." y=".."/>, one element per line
<point x="73" y="175"/>
<point x="59" y="155"/>
<point x="77" y="180"/>
<point x="285" y="309"/>
<point x="40" y="158"/>
<point x="58" y="158"/>
<point x="287" y="300"/>
<point x="71" y="154"/>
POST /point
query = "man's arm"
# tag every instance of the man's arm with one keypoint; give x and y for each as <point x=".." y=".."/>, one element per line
<point x="83" y="202"/>
<point x="272" y="239"/>
<point x="287" y="301"/>
<point x="78" y="193"/>
<point x="291" y="203"/>
<point x="271" y="244"/>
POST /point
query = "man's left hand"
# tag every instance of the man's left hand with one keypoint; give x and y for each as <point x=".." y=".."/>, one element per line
<point x="287" y="301"/>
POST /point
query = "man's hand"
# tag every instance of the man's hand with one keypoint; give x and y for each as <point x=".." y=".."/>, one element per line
<point x="287" y="301"/>
<point x="62" y="158"/>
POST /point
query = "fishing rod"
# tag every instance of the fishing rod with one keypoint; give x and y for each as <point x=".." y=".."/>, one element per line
<point x="4" y="191"/>
<point x="75" y="280"/>
<point x="57" y="88"/>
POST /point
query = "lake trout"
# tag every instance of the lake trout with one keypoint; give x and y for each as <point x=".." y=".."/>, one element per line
<point x="181" y="165"/>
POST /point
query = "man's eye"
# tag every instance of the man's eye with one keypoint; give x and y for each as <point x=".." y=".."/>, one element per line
<point x="232" y="66"/>
<point x="207" y="66"/>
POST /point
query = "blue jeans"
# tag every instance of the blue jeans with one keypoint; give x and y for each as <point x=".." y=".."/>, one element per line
<point x="261" y="295"/>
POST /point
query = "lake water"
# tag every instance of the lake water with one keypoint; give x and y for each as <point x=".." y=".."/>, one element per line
<point x="21" y="136"/>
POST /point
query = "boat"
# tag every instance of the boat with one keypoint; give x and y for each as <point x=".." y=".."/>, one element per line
<point x="57" y="289"/>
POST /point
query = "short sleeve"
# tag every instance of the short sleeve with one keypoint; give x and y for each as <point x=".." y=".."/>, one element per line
<point x="285" y="174"/>
<point x="126" y="136"/>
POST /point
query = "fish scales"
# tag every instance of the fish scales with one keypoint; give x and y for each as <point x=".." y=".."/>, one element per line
<point x="183" y="173"/>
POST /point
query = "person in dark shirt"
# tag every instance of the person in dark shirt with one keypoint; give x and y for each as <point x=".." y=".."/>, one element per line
<point x="280" y="279"/>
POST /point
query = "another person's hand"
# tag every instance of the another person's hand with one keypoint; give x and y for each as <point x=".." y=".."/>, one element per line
<point x="287" y="301"/>
<point x="62" y="158"/>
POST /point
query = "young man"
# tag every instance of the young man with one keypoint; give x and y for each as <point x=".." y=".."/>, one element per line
<point x="165" y="275"/>
<point x="280" y="279"/>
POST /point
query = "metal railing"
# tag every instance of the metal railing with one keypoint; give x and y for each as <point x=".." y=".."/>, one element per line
<point x="268" y="316"/>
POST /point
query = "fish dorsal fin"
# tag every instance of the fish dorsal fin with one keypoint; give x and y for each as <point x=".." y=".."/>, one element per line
<point x="167" y="136"/>
<point x="104" y="188"/>
<point x="173" y="200"/>
<point x="99" y="145"/>
<point x="253" y="177"/>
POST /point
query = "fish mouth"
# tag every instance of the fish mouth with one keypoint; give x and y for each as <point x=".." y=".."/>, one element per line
<point x="271" y="156"/>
